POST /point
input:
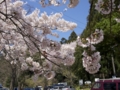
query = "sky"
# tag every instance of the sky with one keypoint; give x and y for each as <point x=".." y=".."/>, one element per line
<point x="78" y="15"/>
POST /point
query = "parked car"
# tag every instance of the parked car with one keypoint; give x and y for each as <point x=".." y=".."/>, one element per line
<point x="58" y="86"/>
<point x="49" y="87"/>
<point x="5" y="89"/>
<point x="0" y="85"/>
<point x="87" y="82"/>
<point x="68" y="88"/>
<point x="28" y="88"/>
<point x="40" y="87"/>
<point x="107" y="84"/>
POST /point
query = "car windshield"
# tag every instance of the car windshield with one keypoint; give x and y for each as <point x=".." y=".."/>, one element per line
<point x="50" y="86"/>
<point x="66" y="86"/>
<point x="96" y="85"/>
<point x="60" y="87"/>
<point x="56" y="87"/>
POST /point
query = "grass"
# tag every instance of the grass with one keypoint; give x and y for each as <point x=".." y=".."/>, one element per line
<point x="85" y="89"/>
<point x="78" y="88"/>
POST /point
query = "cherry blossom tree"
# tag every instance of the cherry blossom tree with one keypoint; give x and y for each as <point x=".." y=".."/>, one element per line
<point x="21" y="32"/>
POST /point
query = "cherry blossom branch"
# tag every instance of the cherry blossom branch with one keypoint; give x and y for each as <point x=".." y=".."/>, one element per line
<point x="34" y="44"/>
<point x="2" y="1"/>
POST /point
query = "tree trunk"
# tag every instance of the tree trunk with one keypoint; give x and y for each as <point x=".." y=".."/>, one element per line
<point x="11" y="86"/>
<point x="103" y="75"/>
<point x="13" y="79"/>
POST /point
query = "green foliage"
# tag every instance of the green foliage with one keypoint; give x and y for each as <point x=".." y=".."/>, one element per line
<point x="60" y="77"/>
<point x="63" y="41"/>
<point x="111" y="44"/>
<point x="77" y="67"/>
<point x="72" y="37"/>
<point x="7" y="83"/>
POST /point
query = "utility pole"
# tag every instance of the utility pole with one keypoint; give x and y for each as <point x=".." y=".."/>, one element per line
<point x="113" y="65"/>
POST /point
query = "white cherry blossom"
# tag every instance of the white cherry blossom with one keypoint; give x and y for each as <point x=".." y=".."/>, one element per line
<point x="29" y="60"/>
<point x="72" y="3"/>
<point x="82" y="42"/>
<point x="104" y="7"/>
<point x="49" y="75"/>
<point x="96" y="37"/>
<point x="47" y="65"/>
<point x="24" y="66"/>
<point x="117" y="20"/>
<point x="93" y="68"/>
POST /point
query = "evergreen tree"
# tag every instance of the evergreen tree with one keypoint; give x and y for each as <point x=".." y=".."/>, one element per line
<point x="72" y="37"/>
<point x="63" y="40"/>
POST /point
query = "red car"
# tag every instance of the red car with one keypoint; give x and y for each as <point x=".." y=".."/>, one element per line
<point x="107" y="84"/>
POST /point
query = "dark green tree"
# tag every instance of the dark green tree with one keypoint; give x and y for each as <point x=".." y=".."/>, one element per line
<point x="63" y="41"/>
<point x="72" y="37"/>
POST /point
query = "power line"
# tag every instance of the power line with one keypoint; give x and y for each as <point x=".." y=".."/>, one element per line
<point x="68" y="16"/>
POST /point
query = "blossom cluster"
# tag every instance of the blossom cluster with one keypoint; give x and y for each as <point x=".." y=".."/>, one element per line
<point x="104" y="6"/>
<point x="91" y="57"/>
<point x="64" y="56"/>
<point x="72" y="3"/>
<point x="21" y="32"/>
<point x="117" y="20"/>
<point x="45" y="68"/>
